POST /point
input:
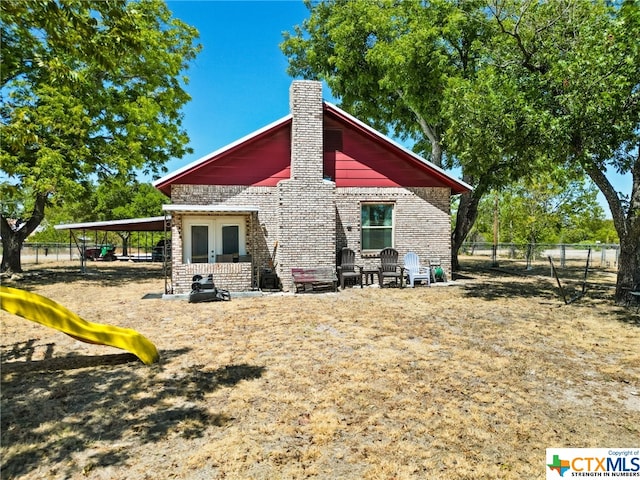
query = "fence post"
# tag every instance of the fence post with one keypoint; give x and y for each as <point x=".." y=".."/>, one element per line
<point x="563" y="255"/>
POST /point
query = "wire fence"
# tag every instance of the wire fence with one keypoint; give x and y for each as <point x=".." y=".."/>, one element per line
<point x="40" y="253"/>
<point x="600" y="255"/>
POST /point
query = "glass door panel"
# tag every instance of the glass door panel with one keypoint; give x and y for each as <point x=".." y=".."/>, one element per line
<point x="230" y="239"/>
<point x="199" y="244"/>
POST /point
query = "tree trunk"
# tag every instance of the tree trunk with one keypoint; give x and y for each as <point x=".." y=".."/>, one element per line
<point x="11" y="249"/>
<point x="628" y="278"/>
<point x="14" y="237"/>
<point x="124" y="236"/>
<point x="627" y="226"/>
<point x="466" y="217"/>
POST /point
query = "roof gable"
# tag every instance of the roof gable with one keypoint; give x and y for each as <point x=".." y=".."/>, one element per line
<point x="369" y="159"/>
<point x="365" y="158"/>
<point x="260" y="158"/>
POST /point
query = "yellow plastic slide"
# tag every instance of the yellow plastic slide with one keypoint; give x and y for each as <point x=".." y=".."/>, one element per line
<point x="51" y="314"/>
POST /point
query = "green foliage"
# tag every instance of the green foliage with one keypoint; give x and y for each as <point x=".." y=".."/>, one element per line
<point x="539" y="210"/>
<point x="506" y="89"/>
<point x="112" y="200"/>
<point x="544" y="211"/>
<point x="389" y="62"/>
<point x="118" y="199"/>
<point x="90" y="90"/>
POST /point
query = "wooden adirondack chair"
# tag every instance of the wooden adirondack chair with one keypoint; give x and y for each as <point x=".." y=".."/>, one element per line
<point x="389" y="267"/>
<point x="348" y="268"/>
<point x="414" y="271"/>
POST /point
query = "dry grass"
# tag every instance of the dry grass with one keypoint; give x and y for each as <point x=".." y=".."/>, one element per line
<point x="465" y="382"/>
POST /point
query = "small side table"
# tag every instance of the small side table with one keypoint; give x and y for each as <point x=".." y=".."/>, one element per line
<point x="369" y="276"/>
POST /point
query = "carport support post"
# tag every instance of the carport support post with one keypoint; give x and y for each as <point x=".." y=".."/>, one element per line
<point x="165" y="264"/>
<point x="586" y="272"/>
<point x="83" y="257"/>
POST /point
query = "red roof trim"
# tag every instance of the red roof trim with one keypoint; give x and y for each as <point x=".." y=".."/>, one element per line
<point x="441" y="176"/>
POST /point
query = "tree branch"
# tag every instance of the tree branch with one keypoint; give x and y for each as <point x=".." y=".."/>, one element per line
<point x="515" y="34"/>
<point x="428" y="130"/>
<point x="615" y="205"/>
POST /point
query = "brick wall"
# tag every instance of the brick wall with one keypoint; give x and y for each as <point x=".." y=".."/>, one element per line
<point x="422" y="225"/>
<point x="306" y="227"/>
<point x="306" y="210"/>
<point x="305" y="102"/>
<point x="261" y="234"/>
<point x="422" y="222"/>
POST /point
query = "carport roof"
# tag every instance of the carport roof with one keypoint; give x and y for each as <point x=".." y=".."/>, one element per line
<point x="149" y="224"/>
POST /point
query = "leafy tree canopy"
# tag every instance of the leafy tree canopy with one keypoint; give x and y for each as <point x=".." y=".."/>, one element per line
<point x="118" y="199"/>
<point x="112" y="200"/>
<point x="89" y="90"/>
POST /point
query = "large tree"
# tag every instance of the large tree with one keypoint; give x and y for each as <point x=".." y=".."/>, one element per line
<point x="89" y="90"/>
<point x="539" y="209"/>
<point x="122" y="198"/>
<point x="543" y="209"/>
<point x="501" y="88"/>
<point x="576" y="66"/>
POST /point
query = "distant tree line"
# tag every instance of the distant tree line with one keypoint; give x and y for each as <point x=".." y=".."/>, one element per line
<point x="112" y="199"/>
<point x="535" y="212"/>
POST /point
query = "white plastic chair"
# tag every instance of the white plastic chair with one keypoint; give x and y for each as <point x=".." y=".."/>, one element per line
<point x="414" y="270"/>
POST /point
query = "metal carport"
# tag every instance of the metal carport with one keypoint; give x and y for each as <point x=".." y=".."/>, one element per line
<point x="148" y="224"/>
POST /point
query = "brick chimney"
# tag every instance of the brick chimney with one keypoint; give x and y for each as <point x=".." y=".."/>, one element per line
<point x="305" y="102"/>
<point x="307" y="212"/>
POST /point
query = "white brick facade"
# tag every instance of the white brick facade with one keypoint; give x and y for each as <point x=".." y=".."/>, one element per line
<point x="422" y="225"/>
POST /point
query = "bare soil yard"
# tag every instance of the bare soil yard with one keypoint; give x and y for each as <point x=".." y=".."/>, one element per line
<point x="467" y="381"/>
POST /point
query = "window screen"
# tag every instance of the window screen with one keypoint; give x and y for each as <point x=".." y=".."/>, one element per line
<point x="199" y="244"/>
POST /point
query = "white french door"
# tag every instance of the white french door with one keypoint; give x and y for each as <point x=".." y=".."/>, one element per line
<point x="206" y="237"/>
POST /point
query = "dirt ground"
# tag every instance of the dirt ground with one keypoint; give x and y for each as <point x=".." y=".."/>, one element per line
<point x="473" y="380"/>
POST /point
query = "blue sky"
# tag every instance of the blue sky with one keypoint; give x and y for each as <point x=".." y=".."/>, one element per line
<point x="238" y="83"/>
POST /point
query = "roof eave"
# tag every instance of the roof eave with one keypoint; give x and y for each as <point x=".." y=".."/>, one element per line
<point x="129" y="224"/>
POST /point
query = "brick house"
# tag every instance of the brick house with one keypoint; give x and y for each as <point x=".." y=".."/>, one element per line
<point x="297" y="191"/>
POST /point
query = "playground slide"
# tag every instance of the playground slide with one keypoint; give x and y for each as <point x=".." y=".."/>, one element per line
<point x="51" y="314"/>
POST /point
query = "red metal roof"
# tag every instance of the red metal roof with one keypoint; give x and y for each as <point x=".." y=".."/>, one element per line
<point x="366" y="159"/>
